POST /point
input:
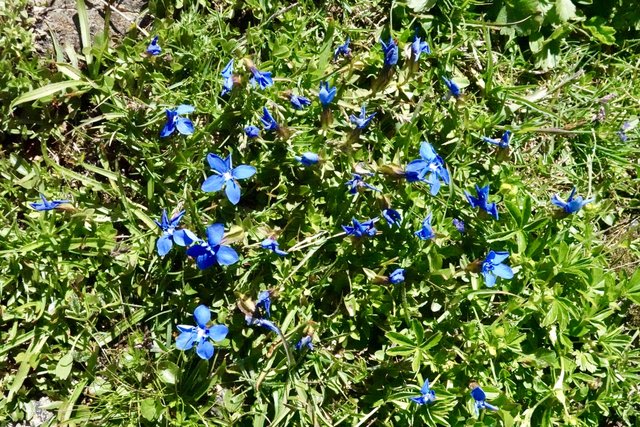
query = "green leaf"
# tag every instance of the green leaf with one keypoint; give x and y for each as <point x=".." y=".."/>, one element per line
<point x="566" y="10"/>
<point x="46" y="91"/>
<point x="168" y="372"/>
<point x="63" y="368"/>
<point x="149" y="409"/>
<point x="85" y="34"/>
<point x="420" y="5"/>
<point x="603" y="33"/>
<point x="400" y="339"/>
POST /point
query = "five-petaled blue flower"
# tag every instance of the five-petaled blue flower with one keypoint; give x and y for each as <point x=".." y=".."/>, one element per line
<point x="268" y="122"/>
<point x="430" y="163"/>
<point x="272" y="245"/>
<point x="363" y="120"/>
<point x="397" y="276"/>
<point x="482" y="201"/>
<point x="572" y="204"/>
<point x="459" y="225"/>
<point x="299" y="102"/>
<point x="201" y="334"/>
<point x="306" y="341"/>
<point x="361" y="229"/>
<point x="264" y="302"/>
<point x="226" y="177"/>
<point x="174" y="121"/>
<point x="390" y="50"/>
<point x="493" y="267"/>
<point x="47" y="205"/>
<point x="154" y="48"/>
<point x="419" y="47"/>
<point x="170" y="235"/>
<point x="343" y="49"/>
<point x="426" y="231"/>
<point x="326" y="94"/>
<point x="454" y="90"/>
<point x="357" y="182"/>
<point x="392" y="216"/>
<point x="503" y="142"/>
<point x="227" y="75"/>
<point x="260" y="78"/>
<point x="308" y="158"/>
<point x="480" y="400"/>
<point x="212" y="251"/>
<point x="252" y="131"/>
<point x="426" y="395"/>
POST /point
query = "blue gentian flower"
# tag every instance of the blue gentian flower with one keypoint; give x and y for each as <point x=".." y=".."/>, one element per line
<point x="392" y="216"/>
<point x="326" y="94"/>
<point x="299" y="102"/>
<point x="430" y="163"/>
<point x="227" y="75"/>
<point x="47" y="205"/>
<point x="426" y="395"/>
<point x="493" y="267"/>
<point x="390" y="50"/>
<point x="174" y="121"/>
<point x="226" y="176"/>
<point x="572" y="205"/>
<point x="343" y="50"/>
<point x="480" y="400"/>
<point x="268" y="122"/>
<point x="201" y="334"/>
<point x="622" y="134"/>
<point x="260" y="78"/>
<point x="419" y="47"/>
<point x="397" y="276"/>
<point x="252" y="321"/>
<point x="212" y="251"/>
<point x="308" y="158"/>
<point x="361" y="229"/>
<point x="305" y="341"/>
<point x="454" y="90"/>
<point x="503" y="142"/>
<point x="252" y="131"/>
<point x="426" y="231"/>
<point x="459" y="225"/>
<point x="357" y="182"/>
<point x="482" y="201"/>
<point x="264" y="302"/>
<point x="272" y="245"/>
<point x="363" y="120"/>
<point x="170" y="235"/>
<point x="154" y="48"/>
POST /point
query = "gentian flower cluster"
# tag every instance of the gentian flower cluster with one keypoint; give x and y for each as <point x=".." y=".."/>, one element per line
<point x="573" y="204"/>
<point x="212" y="251"/>
<point x="503" y="142"/>
<point x="429" y="168"/>
<point x="343" y="50"/>
<point x="392" y="217"/>
<point x="357" y="182"/>
<point x="390" y="50"/>
<point x="154" y="48"/>
<point x="480" y="399"/>
<point x="176" y="122"/>
<point x="494" y="267"/>
<point x="47" y="205"/>
<point x="299" y="102"/>
<point x="272" y="245"/>
<point x="308" y="158"/>
<point x="326" y="94"/>
<point x="426" y="395"/>
<point x="426" y="231"/>
<point x="454" y="90"/>
<point x="361" y="229"/>
<point x="170" y="235"/>
<point x="363" y="120"/>
<point x="201" y="335"/>
<point x="482" y="201"/>
<point x="227" y="75"/>
<point x="397" y="276"/>
<point x="226" y="177"/>
<point x="418" y="47"/>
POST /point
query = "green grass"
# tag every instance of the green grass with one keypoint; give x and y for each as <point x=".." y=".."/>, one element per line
<point x="89" y="311"/>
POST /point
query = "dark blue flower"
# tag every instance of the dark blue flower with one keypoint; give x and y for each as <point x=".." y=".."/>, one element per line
<point x="397" y="276"/>
<point x="482" y="201"/>
<point x="272" y="245"/>
<point x="426" y="395"/>
<point x="454" y="90"/>
<point x="47" y="205"/>
<point x="252" y="321"/>
<point x="361" y="229"/>
<point x="343" y="50"/>
<point x="264" y="302"/>
<point x="174" y="121"/>
<point x="154" y="48"/>
<point x="390" y="50"/>
<point x="363" y="120"/>
<point x="392" y="216"/>
<point x="260" y="78"/>
<point x="419" y="47"/>
<point x="480" y="399"/>
<point x="170" y="235"/>
<point x="227" y="75"/>
<point x="572" y="205"/>
<point x="503" y="142"/>
<point x="426" y="231"/>
<point x="212" y="251"/>
<point x="459" y="225"/>
<point x="357" y="182"/>
<point x="306" y="341"/>
<point x="299" y="102"/>
<point x="268" y="122"/>
<point x="326" y="94"/>
<point x="226" y="176"/>
<point x="201" y="334"/>
<point x="308" y="158"/>
<point x="430" y="164"/>
<point x="252" y="131"/>
<point x="493" y="267"/>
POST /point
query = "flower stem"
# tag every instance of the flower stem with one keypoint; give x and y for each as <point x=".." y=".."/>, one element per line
<point x="405" y="305"/>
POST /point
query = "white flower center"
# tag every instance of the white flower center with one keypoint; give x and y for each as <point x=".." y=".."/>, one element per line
<point x="227" y="176"/>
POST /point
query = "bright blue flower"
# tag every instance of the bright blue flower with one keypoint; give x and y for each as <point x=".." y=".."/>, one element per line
<point x="482" y="201"/>
<point x="299" y="102"/>
<point x="252" y="131"/>
<point x="326" y="94"/>
<point x="361" y="229"/>
<point x="201" y="334"/>
<point x="305" y="341"/>
<point x="426" y="395"/>
<point x="261" y="78"/>
<point x="174" y="121"/>
<point x="459" y="225"/>
<point x="154" y="48"/>
<point x="227" y="75"/>
<point x="390" y="50"/>
<point x="397" y="276"/>
<point x="226" y="176"/>
<point x="419" y="47"/>
<point x="357" y="182"/>
<point x="308" y="158"/>
<point x="264" y="302"/>
<point x="454" y="90"/>
<point x="392" y="216"/>
<point x="268" y="122"/>
<point x="251" y="321"/>
<point x="170" y="235"/>
<point x="572" y="204"/>
<point x="503" y="142"/>
<point x="481" y="400"/>
<point x="363" y="120"/>
<point x="426" y="231"/>
<point x="343" y="50"/>
<point x="47" y="205"/>
<point x="493" y="267"/>
<point x="430" y="163"/>
<point x="272" y="245"/>
<point x="212" y="251"/>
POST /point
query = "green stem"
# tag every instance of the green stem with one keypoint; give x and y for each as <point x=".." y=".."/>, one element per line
<point x="405" y="305"/>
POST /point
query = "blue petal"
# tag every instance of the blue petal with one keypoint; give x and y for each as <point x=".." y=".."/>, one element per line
<point x="196" y="250"/>
<point x="185" y="340"/>
<point x="164" y="244"/>
<point x="243" y="172"/>
<point x="202" y="315"/>
<point x="217" y="163"/>
<point x="184" y="237"/>
<point x="427" y="152"/>
<point x="425" y="387"/>
<point x="478" y="394"/>
<point x="205" y="350"/>
<point x="168" y="129"/>
<point x="213" y="183"/>
<point x="233" y="191"/>
<point x="184" y="109"/>
<point x="205" y="261"/>
<point x="491" y="407"/>
<point x="218" y="332"/>
<point x="184" y="126"/>
<point x="419" y="400"/>
<point x="228" y="69"/>
<point x="226" y="255"/>
<point x="503" y="270"/>
<point x="176" y="219"/>
<point x="498" y="257"/>
<point x="489" y="279"/>
<point x="215" y="232"/>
